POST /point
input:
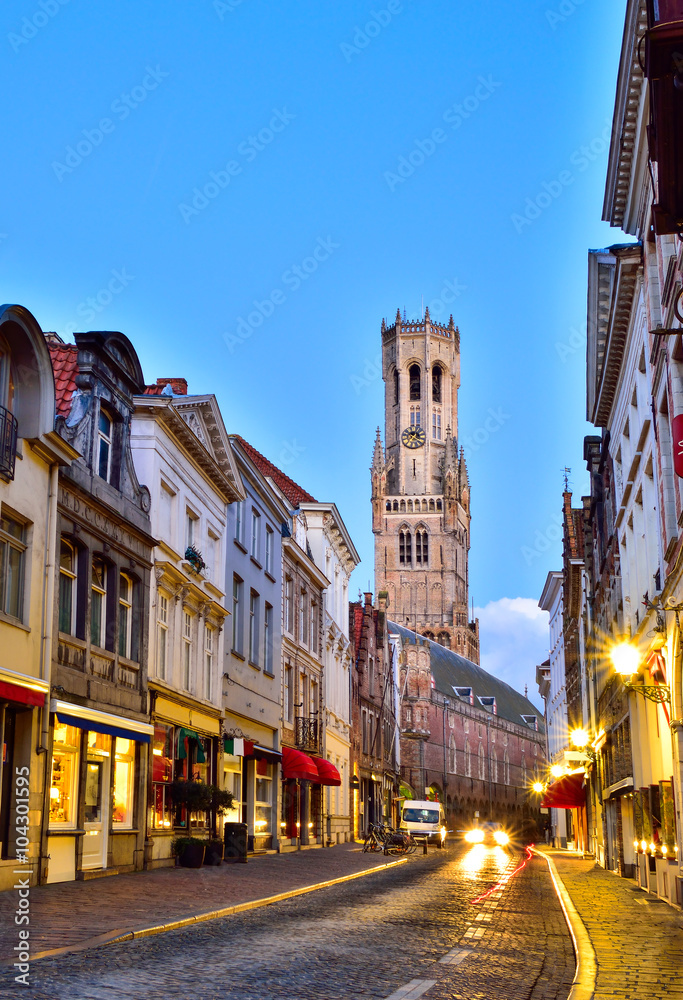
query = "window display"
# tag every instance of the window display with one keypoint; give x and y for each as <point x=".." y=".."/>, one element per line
<point x="64" y="775"/>
<point x="264" y="799"/>
<point x="162" y="775"/>
<point x="124" y="771"/>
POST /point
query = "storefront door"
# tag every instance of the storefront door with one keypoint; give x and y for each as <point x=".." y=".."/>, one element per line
<point x="97" y="770"/>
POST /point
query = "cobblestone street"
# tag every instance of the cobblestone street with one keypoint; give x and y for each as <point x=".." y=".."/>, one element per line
<point x="402" y="932"/>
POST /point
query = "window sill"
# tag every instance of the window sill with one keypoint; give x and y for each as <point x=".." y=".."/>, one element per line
<point x="63" y="832"/>
<point x="239" y="545"/>
<point x="240" y="656"/>
<point x="270" y="576"/>
<point x="268" y="673"/>
<point x="256" y="562"/>
<point x="255" y="666"/>
<point x="124" y="829"/>
<point x="11" y="620"/>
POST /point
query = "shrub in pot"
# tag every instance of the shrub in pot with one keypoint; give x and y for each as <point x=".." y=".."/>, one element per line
<point x="189" y="851"/>
<point x="194" y="795"/>
<point x="214" y="852"/>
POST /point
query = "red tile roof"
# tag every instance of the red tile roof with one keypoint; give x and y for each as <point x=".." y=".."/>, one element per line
<point x="65" y="367"/>
<point x="294" y="493"/>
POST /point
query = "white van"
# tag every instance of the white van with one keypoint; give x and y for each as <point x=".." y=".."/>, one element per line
<point x="424" y="819"/>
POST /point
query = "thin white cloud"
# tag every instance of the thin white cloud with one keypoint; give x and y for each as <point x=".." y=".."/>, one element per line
<point x="513" y="633"/>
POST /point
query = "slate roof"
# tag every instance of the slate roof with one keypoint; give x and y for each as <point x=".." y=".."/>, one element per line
<point x="451" y="670"/>
<point x="294" y="493"/>
<point x="65" y="367"/>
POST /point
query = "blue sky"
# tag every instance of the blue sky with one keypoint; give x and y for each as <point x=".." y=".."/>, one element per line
<point x="242" y="160"/>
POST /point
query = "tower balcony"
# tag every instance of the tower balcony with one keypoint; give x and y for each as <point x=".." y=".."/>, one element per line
<point x="429" y="504"/>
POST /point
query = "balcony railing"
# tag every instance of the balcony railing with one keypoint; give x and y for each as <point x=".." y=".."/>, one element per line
<point x="8" y="443"/>
<point x="308" y="734"/>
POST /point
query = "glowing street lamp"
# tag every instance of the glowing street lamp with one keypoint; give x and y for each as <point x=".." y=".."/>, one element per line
<point x="579" y="738"/>
<point x="557" y="770"/>
<point x="626" y="659"/>
<point x="538" y="787"/>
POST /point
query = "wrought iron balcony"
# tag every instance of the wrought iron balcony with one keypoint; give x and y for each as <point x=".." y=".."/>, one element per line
<point x="8" y="443"/>
<point x="308" y="734"/>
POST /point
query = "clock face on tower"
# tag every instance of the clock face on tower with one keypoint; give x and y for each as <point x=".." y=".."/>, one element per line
<point x="413" y="437"/>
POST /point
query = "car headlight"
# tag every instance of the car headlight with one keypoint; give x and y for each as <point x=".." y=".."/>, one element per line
<point x="501" y="838"/>
<point x="474" y="836"/>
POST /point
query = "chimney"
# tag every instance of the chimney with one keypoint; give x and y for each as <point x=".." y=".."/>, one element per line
<point x="179" y="385"/>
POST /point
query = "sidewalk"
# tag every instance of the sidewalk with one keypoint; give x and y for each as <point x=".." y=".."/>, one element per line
<point x="70" y="914"/>
<point x="637" y="938"/>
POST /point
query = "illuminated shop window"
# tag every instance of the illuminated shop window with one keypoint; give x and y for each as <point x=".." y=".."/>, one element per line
<point x="162" y="775"/>
<point x="124" y="772"/>
<point x="263" y="798"/>
<point x="64" y="772"/>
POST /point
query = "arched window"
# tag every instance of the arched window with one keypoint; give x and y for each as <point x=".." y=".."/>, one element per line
<point x="424" y="506"/>
<point x="397" y="387"/>
<point x="429" y="635"/>
<point x="404" y="547"/>
<point x="6" y="377"/>
<point x="436" y="384"/>
<point x="481" y="762"/>
<point x="396" y="506"/>
<point x="494" y="766"/>
<point x="421" y="547"/>
<point x="438" y="505"/>
<point x="403" y="506"/>
<point x="431" y="505"/>
<point x="67" y="587"/>
<point x="410" y="506"/>
<point x="414" y="375"/>
<point x="389" y="505"/>
<point x="445" y="639"/>
<point x="452" y="756"/>
<point x="104" y="436"/>
<point x="468" y="759"/>
<point x="98" y="601"/>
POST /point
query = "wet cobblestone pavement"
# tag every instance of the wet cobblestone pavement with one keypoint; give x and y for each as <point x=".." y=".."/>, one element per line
<point x="409" y="926"/>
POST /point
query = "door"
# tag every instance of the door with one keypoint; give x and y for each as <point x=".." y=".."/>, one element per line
<point x="96" y="795"/>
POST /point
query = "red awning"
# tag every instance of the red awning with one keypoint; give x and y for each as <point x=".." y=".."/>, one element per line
<point x="565" y="793"/>
<point x="298" y="765"/>
<point x="327" y="772"/>
<point x="15" y="692"/>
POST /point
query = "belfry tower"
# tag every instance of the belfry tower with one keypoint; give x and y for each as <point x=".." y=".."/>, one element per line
<point x="420" y="486"/>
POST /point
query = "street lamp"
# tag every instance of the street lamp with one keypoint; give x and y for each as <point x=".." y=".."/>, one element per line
<point x="538" y="787"/>
<point x="557" y="770"/>
<point x="626" y="660"/>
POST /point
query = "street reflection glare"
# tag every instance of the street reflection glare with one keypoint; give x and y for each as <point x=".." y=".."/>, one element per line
<point x="496" y="859"/>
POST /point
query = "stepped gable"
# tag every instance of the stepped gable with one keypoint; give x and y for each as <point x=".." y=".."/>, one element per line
<point x="64" y="359"/>
<point x="294" y="493"/>
<point x="451" y="670"/>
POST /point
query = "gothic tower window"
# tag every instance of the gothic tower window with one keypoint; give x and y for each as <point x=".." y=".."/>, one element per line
<point x="415" y="416"/>
<point x="410" y="506"/>
<point x="431" y="505"/>
<point x="445" y="639"/>
<point x="436" y="384"/>
<point x="397" y="387"/>
<point x="396" y="505"/>
<point x="404" y="547"/>
<point x="436" y="424"/>
<point x="414" y="375"/>
<point x="421" y="547"/>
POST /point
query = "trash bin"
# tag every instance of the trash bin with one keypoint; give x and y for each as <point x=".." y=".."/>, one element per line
<point x="235" y="841"/>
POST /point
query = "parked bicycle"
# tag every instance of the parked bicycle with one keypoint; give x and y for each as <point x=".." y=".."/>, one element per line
<point x="384" y="839"/>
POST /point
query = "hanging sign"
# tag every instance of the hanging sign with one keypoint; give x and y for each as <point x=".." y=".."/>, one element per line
<point x="677" y="432"/>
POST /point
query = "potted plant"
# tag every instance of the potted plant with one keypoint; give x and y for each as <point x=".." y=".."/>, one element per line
<point x="214" y="852"/>
<point x="221" y="801"/>
<point x="189" y="851"/>
<point x="194" y="795"/>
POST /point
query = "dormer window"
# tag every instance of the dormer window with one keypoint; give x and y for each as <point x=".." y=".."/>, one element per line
<point x="489" y="703"/>
<point x="104" y="434"/>
<point x="531" y="721"/>
<point x="465" y="693"/>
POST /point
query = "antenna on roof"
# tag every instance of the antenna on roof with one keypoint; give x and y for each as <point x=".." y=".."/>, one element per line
<point x="404" y="314"/>
<point x="422" y="307"/>
<point x="566" y="473"/>
<point x="526" y="690"/>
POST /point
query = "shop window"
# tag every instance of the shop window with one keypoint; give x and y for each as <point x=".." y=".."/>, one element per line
<point x="232" y="782"/>
<point x="186" y="650"/>
<point x="125" y="615"/>
<point x="98" y="760"/>
<point x="124" y="774"/>
<point x="162" y="635"/>
<point x="208" y="661"/>
<point x="12" y="559"/>
<point x="162" y="776"/>
<point x="263" y="798"/>
<point x="63" y="784"/>
<point x="98" y="601"/>
<point x="270" y="542"/>
<point x="67" y="587"/>
<point x="104" y="443"/>
<point x="268" y="640"/>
